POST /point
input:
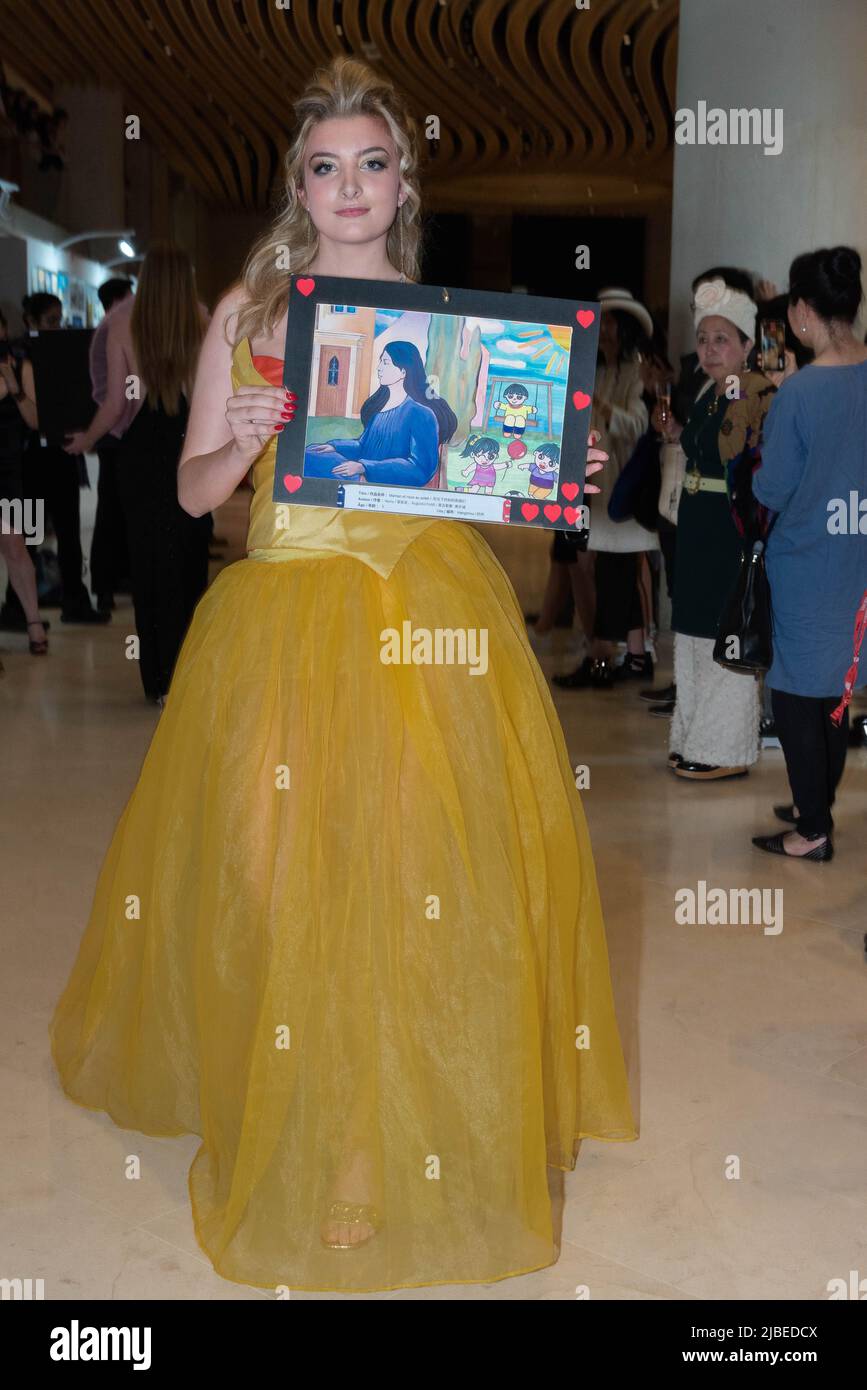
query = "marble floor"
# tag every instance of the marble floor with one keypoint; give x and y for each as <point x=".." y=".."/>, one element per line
<point x="743" y="1047"/>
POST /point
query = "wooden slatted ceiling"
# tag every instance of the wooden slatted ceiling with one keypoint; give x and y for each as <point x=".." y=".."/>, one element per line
<point x="539" y="103"/>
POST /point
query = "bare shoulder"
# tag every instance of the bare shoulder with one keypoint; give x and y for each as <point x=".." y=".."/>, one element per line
<point x="226" y="312"/>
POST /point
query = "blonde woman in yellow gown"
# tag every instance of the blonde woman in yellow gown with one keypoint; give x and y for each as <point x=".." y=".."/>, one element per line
<point x="348" y="928"/>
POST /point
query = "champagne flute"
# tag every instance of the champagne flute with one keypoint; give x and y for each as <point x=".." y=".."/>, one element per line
<point x="663" y="401"/>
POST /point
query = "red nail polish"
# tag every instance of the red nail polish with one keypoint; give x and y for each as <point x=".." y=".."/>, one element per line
<point x="278" y="428"/>
<point x="290" y="395"/>
<point x="287" y="414"/>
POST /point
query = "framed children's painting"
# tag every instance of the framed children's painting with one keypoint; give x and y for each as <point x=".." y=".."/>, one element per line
<point x="430" y="401"/>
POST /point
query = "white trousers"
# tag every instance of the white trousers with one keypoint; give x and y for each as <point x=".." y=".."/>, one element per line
<point x="716" y="716"/>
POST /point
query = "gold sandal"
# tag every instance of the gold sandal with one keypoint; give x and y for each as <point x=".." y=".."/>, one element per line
<point x="351" y="1214"/>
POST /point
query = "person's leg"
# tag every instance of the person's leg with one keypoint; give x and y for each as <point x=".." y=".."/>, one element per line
<point x="724" y="732"/>
<point x="109" y="554"/>
<point x="61" y="474"/>
<point x="555" y="592"/>
<point x="22" y="577"/>
<point x="142" y="540"/>
<point x="800" y="725"/>
<point x="799" y="721"/>
<point x="582" y="576"/>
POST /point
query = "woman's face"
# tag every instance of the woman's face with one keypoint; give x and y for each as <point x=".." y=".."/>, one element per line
<point x="351" y="179"/>
<point x="720" y="350"/>
<point x="389" y="374"/>
<point x="609" y="338"/>
<point x="50" y="319"/>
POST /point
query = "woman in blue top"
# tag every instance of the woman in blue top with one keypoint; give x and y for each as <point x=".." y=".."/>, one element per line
<point x="403" y="428"/>
<point x="814" y="474"/>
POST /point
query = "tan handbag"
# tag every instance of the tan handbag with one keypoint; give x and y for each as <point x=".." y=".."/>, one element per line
<point x="672" y="466"/>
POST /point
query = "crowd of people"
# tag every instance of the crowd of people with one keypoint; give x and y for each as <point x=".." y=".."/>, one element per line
<point x="760" y="452"/>
<point x="143" y="541"/>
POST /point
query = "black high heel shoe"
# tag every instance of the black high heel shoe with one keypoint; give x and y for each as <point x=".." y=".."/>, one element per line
<point x="773" y="844"/>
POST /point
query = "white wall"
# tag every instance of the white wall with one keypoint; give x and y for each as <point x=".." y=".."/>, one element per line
<point x="737" y="206"/>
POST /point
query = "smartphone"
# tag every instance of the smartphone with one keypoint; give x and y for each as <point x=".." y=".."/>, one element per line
<point x="773" y="345"/>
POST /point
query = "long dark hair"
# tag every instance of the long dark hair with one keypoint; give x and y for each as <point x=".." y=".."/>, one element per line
<point x="408" y="358"/>
<point x="631" y="337"/>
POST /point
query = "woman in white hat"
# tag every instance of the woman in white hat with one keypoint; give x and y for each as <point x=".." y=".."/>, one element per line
<point x="714" y="731"/>
<point x="619" y="412"/>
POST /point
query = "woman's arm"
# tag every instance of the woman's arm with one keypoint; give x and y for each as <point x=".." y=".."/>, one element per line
<point x="349" y="448"/>
<point x="9" y="383"/>
<point x="114" y="405"/>
<point x="227" y="429"/>
<point x="784" y="451"/>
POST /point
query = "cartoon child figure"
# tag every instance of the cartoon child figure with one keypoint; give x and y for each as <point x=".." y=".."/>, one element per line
<point x="483" y="451"/>
<point x="516" y="408"/>
<point x="543" y="470"/>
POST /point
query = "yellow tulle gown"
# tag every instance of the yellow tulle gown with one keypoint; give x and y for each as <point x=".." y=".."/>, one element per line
<point x="349" y="921"/>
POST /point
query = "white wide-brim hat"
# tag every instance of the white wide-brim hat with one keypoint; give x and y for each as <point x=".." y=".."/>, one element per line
<point x="622" y="299"/>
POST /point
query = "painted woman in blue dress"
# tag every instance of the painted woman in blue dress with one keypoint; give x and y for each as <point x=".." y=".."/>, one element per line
<point x="403" y="429"/>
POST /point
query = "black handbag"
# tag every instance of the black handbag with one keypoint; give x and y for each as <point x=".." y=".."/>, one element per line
<point x="744" y="639"/>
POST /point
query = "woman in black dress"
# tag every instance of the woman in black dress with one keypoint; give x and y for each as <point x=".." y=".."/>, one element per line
<point x="157" y="348"/>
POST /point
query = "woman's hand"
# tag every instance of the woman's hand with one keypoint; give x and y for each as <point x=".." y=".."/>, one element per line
<point x="595" y="459"/>
<point x="255" y="413"/>
<point x="777" y="378"/>
<point x="670" y="429"/>
<point x="350" y="468"/>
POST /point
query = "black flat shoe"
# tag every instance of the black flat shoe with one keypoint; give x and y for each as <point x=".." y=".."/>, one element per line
<point x="773" y="844"/>
<point x="674" y="759"/>
<point x="661" y="696"/>
<point x="663" y="711"/>
<point x="786" y="813"/>
<point x="707" y="772"/>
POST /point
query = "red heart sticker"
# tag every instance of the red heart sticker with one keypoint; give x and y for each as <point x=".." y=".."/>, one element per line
<point x="585" y="317"/>
<point x="292" y="482"/>
<point x="571" y="514"/>
<point x="570" y="490"/>
<point x="552" y="511"/>
<point x="580" y="400"/>
<point x="529" y="510"/>
<point x="305" y="286"/>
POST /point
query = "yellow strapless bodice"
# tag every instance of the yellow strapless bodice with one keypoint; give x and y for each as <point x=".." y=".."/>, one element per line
<point x="281" y="531"/>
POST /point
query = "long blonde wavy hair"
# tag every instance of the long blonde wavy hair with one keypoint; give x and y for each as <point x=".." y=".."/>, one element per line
<point x="345" y="87"/>
<point x="167" y="325"/>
